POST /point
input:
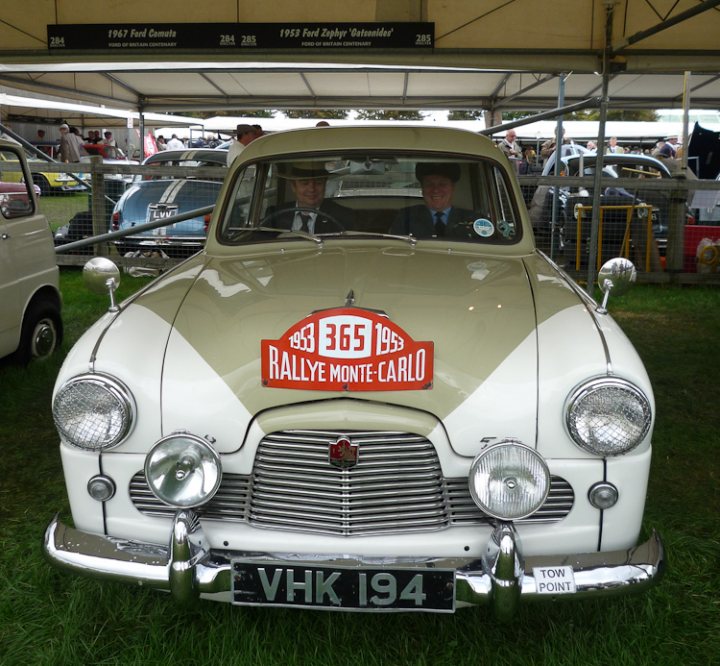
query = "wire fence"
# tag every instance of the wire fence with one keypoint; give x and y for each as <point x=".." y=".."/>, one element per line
<point x="670" y="227"/>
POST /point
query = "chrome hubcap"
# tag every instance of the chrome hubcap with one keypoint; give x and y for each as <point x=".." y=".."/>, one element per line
<point x="44" y="339"/>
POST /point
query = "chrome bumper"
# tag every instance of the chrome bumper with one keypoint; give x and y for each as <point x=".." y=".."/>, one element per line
<point x="501" y="578"/>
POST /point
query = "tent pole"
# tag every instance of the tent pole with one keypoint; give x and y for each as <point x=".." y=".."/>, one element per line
<point x="595" y="222"/>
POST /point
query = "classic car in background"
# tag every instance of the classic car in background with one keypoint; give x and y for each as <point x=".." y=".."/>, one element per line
<point x="166" y="195"/>
<point x="638" y="202"/>
<point x="387" y="400"/>
<point x="30" y="305"/>
<point x="114" y="183"/>
<point x="47" y="182"/>
<point x="15" y="191"/>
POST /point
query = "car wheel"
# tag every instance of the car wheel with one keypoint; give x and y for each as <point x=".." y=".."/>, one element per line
<point x="41" y="333"/>
<point x="42" y="183"/>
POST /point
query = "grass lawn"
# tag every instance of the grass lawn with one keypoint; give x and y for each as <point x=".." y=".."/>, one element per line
<point x="60" y="208"/>
<point x="49" y="617"/>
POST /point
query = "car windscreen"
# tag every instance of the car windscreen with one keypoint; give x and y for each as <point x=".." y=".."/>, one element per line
<point x="353" y="194"/>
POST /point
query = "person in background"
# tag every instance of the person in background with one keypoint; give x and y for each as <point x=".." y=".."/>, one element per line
<point x="669" y="148"/>
<point x="548" y="147"/>
<point x="175" y="143"/>
<point x="528" y="165"/>
<point x="655" y="152"/>
<point x="244" y="134"/>
<point x="510" y="146"/>
<point x="161" y="142"/>
<point x="613" y="147"/>
<point x="68" y="146"/>
<point x="79" y="141"/>
<point x="258" y="131"/>
<point x="591" y="146"/>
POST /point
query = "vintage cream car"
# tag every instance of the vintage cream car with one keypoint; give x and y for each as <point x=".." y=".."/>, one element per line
<point x="344" y="402"/>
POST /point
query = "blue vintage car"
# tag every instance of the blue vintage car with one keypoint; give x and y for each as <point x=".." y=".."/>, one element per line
<point x="167" y="195"/>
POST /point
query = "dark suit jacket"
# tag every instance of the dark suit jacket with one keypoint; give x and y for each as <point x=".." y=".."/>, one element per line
<point x="418" y="221"/>
<point x="282" y="217"/>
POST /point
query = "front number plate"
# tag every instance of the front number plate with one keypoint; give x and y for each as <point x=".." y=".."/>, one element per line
<point x="343" y="588"/>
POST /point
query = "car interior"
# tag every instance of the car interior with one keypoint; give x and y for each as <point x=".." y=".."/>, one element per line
<point x="371" y="190"/>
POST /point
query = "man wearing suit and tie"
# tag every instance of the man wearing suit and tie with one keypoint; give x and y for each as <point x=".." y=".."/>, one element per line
<point x="437" y="217"/>
<point x="310" y="212"/>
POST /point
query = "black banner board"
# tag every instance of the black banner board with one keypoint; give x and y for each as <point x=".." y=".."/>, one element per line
<point x="242" y="36"/>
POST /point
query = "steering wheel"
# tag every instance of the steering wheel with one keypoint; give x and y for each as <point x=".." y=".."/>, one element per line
<point x="271" y="218"/>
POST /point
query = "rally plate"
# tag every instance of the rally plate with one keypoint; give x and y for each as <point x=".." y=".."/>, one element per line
<point x="257" y="583"/>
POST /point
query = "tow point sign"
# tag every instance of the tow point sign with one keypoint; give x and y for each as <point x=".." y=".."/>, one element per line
<point x="346" y="349"/>
<point x="554" y="580"/>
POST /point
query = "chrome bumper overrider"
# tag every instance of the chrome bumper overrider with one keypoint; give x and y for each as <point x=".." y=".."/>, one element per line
<point x="501" y="577"/>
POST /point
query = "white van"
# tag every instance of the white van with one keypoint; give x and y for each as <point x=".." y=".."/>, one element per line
<point x="30" y="303"/>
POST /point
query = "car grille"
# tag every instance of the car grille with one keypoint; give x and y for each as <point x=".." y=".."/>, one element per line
<point x="397" y="486"/>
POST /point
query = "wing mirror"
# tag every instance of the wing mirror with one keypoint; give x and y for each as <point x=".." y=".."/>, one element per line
<point x="100" y="276"/>
<point x="616" y="276"/>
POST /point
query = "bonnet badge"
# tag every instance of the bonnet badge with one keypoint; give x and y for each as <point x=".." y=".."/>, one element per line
<point x="343" y="453"/>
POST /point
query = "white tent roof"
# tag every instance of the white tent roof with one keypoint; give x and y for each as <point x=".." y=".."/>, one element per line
<point x="497" y="55"/>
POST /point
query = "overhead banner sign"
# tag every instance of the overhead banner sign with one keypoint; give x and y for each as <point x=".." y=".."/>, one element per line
<point x="346" y="349"/>
<point x="242" y="36"/>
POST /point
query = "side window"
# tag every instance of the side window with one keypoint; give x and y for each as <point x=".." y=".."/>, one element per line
<point x="15" y="197"/>
<point x="506" y="223"/>
<point x="237" y="216"/>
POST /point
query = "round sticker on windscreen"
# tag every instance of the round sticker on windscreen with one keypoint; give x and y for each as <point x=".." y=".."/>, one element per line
<point x="483" y="228"/>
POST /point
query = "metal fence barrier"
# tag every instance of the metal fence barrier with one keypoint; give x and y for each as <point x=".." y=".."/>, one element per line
<point x="677" y="247"/>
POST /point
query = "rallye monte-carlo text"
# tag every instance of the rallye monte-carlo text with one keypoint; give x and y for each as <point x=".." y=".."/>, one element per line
<point x="369" y="391"/>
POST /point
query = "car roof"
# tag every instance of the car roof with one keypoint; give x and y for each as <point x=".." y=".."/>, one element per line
<point x="196" y="154"/>
<point x="620" y="158"/>
<point x="395" y="138"/>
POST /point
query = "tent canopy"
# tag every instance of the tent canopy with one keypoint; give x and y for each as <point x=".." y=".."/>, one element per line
<point x="496" y="55"/>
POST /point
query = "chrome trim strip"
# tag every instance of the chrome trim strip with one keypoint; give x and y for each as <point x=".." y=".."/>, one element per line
<point x="502" y="577"/>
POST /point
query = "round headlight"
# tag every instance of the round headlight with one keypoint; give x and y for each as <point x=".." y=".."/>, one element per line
<point x="608" y="417"/>
<point x="93" y="412"/>
<point x="183" y="470"/>
<point x="509" y="481"/>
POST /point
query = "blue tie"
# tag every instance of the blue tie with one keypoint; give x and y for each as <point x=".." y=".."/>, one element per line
<point x="439" y="224"/>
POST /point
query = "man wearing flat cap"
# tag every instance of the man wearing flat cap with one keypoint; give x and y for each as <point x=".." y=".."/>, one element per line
<point x="310" y="211"/>
<point x="244" y="134"/>
<point x="437" y="217"/>
<point x="69" y="151"/>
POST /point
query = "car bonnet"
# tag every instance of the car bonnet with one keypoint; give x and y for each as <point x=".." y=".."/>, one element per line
<point x="479" y="316"/>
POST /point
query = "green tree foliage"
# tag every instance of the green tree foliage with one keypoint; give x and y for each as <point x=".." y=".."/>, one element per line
<point x="628" y="115"/>
<point x="246" y="113"/>
<point x="319" y="114"/>
<point x="465" y="114"/>
<point x="398" y="114"/>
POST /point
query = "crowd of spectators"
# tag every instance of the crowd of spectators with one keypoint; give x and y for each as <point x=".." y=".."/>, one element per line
<point x="530" y="157"/>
